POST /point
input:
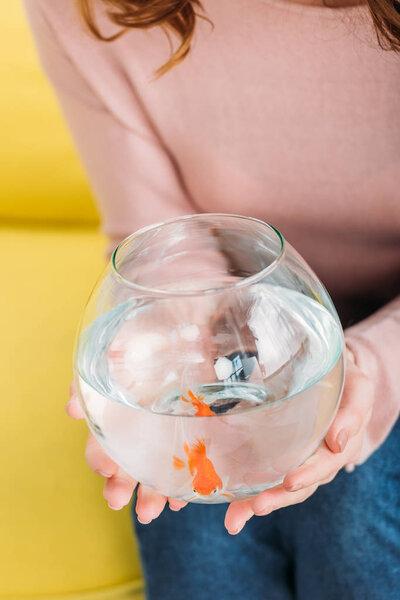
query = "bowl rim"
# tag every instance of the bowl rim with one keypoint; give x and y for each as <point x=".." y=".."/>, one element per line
<point x="242" y="283"/>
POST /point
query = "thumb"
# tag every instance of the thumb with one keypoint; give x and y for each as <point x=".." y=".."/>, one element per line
<point x="354" y="410"/>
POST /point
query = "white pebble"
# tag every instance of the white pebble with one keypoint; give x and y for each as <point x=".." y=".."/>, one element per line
<point x="223" y="368"/>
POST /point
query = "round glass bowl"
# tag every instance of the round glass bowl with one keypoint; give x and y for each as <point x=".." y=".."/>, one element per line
<point x="209" y="361"/>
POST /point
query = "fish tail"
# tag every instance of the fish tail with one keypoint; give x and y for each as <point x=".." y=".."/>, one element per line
<point x="178" y="463"/>
<point x="195" y="398"/>
<point x="199" y="447"/>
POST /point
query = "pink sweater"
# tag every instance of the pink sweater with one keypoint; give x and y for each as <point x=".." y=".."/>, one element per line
<point x="285" y="112"/>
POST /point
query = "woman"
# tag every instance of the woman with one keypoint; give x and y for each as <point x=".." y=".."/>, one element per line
<point x="286" y="110"/>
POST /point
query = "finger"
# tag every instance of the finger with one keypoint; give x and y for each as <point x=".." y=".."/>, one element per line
<point x="118" y="490"/>
<point x="176" y="504"/>
<point x="237" y="515"/>
<point x="98" y="460"/>
<point x="149" y="504"/>
<point x="354" y="410"/>
<point x="278" y="497"/>
<point x="318" y="466"/>
<point x="73" y="407"/>
<point x="322" y="465"/>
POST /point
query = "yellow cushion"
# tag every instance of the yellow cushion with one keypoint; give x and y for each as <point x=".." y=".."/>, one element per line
<point x="57" y="534"/>
<point x="40" y="175"/>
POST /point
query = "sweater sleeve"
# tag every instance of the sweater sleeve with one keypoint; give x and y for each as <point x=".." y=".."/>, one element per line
<point x="134" y="179"/>
<point x="375" y="343"/>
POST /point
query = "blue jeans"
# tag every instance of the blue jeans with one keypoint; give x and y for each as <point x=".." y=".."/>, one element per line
<point x="343" y="543"/>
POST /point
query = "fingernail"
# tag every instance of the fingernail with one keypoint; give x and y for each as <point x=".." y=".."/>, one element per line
<point x="175" y="508"/>
<point x="342" y="439"/>
<point x="238" y="528"/>
<point x="106" y="475"/>
<point x="114" y="507"/>
<point x="143" y="522"/>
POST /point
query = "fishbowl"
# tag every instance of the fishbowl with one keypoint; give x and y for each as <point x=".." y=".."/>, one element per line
<point x="209" y="360"/>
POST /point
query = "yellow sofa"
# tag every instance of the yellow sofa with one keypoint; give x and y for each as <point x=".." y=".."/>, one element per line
<point x="58" y="538"/>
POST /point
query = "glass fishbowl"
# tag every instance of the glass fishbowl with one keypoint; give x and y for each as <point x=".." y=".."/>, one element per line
<point x="209" y="360"/>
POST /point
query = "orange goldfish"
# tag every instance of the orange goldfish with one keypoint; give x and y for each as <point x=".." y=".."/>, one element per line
<point x="206" y="481"/>
<point x="203" y="410"/>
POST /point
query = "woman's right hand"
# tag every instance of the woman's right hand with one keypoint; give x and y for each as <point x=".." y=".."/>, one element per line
<point x="119" y="486"/>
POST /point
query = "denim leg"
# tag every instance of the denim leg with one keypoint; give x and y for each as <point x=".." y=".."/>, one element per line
<point x="190" y="554"/>
<point x="346" y="537"/>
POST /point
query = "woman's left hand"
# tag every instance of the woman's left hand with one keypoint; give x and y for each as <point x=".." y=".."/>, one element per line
<point x="341" y="446"/>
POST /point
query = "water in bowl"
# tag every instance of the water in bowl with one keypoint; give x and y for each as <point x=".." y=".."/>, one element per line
<point x="197" y="402"/>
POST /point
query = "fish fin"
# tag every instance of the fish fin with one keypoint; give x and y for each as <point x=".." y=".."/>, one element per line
<point x="227" y="495"/>
<point x="192" y="396"/>
<point x="190" y="458"/>
<point x="184" y="399"/>
<point x="199" y="447"/>
<point x="198" y="399"/>
<point x="178" y="463"/>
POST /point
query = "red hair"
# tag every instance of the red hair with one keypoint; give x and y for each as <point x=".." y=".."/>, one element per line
<point x="179" y="16"/>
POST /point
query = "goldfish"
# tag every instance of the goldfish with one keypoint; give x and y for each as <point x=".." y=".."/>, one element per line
<point x="206" y="481"/>
<point x="203" y="410"/>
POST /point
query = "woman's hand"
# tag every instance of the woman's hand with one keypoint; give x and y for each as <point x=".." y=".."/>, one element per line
<point x="119" y="486"/>
<point x="342" y="446"/>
